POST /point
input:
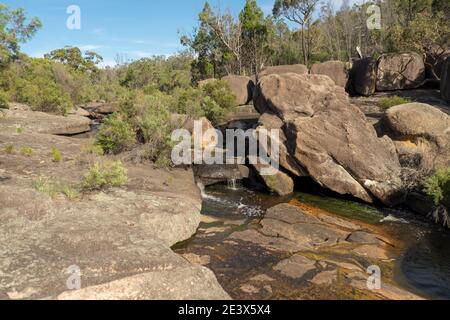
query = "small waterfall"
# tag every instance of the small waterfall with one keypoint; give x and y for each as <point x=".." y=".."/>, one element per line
<point x="205" y="195"/>
<point x="232" y="184"/>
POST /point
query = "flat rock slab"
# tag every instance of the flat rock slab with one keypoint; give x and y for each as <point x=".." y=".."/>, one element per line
<point x="39" y="122"/>
<point x="325" y="278"/>
<point x="270" y="243"/>
<point x="184" y="283"/>
<point x="119" y="239"/>
<point x="295" y="267"/>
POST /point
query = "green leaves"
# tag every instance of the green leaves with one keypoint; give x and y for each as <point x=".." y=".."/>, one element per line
<point x="73" y="57"/>
<point x="15" y="28"/>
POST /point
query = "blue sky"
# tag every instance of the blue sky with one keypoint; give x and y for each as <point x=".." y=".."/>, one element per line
<point x="132" y="28"/>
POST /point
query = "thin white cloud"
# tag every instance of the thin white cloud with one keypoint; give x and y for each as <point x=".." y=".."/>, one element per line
<point x="98" y="31"/>
<point x="89" y="47"/>
<point x="139" y="53"/>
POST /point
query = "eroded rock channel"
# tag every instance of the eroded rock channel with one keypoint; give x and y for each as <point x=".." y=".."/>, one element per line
<point x="315" y="247"/>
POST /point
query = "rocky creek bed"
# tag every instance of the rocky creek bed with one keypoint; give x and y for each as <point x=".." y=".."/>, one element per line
<point x="316" y="247"/>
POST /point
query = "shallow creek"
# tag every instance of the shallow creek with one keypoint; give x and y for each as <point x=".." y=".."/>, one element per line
<point x="246" y="270"/>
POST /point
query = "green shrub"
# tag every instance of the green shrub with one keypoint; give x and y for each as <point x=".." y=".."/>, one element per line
<point x="27" y="151"/>
<point x="115" y="135"/>
<point x="221" y="101"/>
<point x="156" y="129"/>
<point x="105" y="174"/>
<point x="19" y="130"/>
<point x="389" y="102"/>
<point x="9" y="148"/>
<point x="214" y="100"/>
<point x="3" y="100"/>
<point x="52" y="188"/>
<point x="70" y="192"/>
<point x="93" y="149"/>
<point x="437" y="187"/>
<point x="56" y="154"/>
<point x="45" y="185"/>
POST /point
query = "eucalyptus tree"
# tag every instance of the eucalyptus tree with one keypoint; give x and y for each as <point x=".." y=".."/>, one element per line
<point x="300" y="12"/>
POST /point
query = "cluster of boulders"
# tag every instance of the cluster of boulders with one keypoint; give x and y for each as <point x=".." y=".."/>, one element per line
<point x="390" y="72"/>
<point x="329" y="138"/>
<point x="398" y="71"/>
<point x="325" y="137"/>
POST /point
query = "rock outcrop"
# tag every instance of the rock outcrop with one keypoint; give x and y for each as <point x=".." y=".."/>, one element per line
<point x="242" y="87"/>
<point x="280" y="183"/>
<point x="445" y="81"/>
<point x="115" y="241"/>
<point x="336" y="70"/>
<point x="269" y="122"/>
<point x="103" y="108"/>
<point x="331" y="138"/>
<point x="400" y="71"/>
<point x="421" y="134"/>
<point x="295" y="68"/>
<point x="39" y="122"/>
<point x="320" y="249"/>
<point x="214" y="174"/>
<point x="363" y="77"/>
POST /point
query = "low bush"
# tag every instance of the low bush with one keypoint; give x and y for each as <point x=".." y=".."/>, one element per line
<point x="71" y="192"/>
<point x="26" y="151"/>
<point x="437" y="187"/>
<point x="4" y="100"/>
<point x="52" y="188"/>
<point x="9" y="149"/>
<point x="45" y="185"/>
<point x="56" y="155"/>
<point x="221" y="101"/>
<point x="105" y="174"/>
<point x="115" y="135"/>
<point x="389" y="102"/>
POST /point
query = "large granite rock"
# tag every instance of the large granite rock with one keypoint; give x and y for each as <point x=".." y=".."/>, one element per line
<point x="269" y="122"/>
<point x="400" y="71"/>
<point x="445" y="81"/>
<point x="242" y="87"/>
<point x="39" y="122"/>
<point x="103" y="108"/>
<point x="220" y="173"/>
<point x="331" y="138"/>
<point x="336" y="70"/>
<point x="119" y="239"/>
<point x="421" y="134"/>
<point x="435" y="62"/>
<point x="295" y="68"/>
<point x="363" y="77"/>
<point x="279" y="183"/>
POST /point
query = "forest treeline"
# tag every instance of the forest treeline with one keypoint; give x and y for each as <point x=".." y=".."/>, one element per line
<point x="297" y="31"/>
<point x="309" y="31"/>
